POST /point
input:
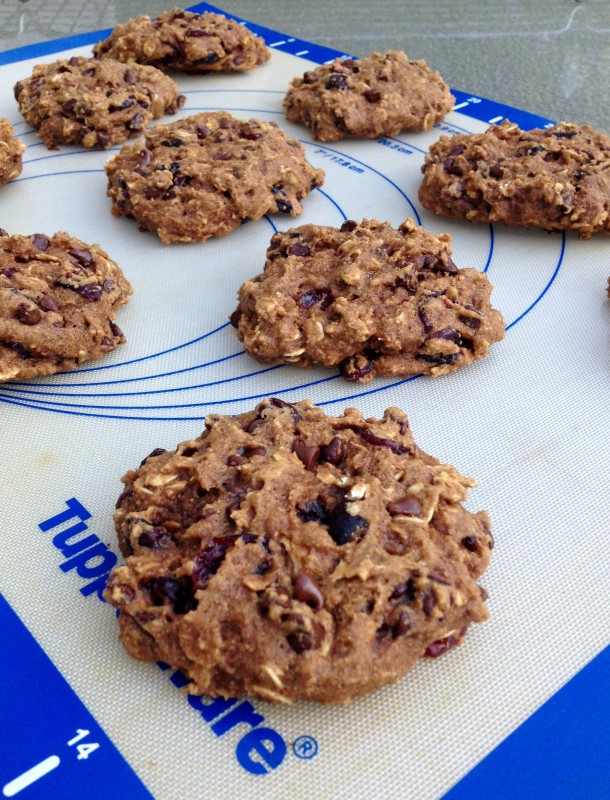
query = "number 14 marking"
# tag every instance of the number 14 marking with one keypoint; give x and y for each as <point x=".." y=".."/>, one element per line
<point x="86" y="748"/>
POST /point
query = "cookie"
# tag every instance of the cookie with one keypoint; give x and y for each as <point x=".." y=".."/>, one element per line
<point x="11" y="150"/>
<point x="291" y="555"/>
<point x="368" y="299"/>
<point x="94" y="103"/>
<point x="58" y="298"/>
<point x="207" y="174"/>
<point x="185" y="42"/>
<point x="554" y="178"/>
<point x="376" y="96"/>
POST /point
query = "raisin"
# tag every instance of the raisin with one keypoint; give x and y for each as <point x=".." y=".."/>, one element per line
<point x="336" y="81"/>
<point x="283" y="206"/>
<point x="208" y="560"/>
<point x="322" y="296"/>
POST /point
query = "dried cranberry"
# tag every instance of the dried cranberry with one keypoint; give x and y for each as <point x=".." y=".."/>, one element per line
<point x="155" y="538"/>
<point x="440" y="646"/>
<point x="28" y="315"/>
<point x="372" y="96"/>
<point x="356" y="368"/>
<point x="40" y="241"/>
<point x="342" y="525"/>
<point x="178" y="592"/>
<point x="322" y="296"/>
<point x="208" y="560"/>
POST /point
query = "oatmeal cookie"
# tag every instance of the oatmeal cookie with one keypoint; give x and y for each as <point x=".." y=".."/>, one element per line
<point x="185" y="42"/>
<point x="291" y="555"/>
<point x="94" y="103"/>
<point x="368" y="299"/>
<point x="58" y="299"/>
<point x="207" y="174"/>
<point x="11" y="150"/>
<point x="554" y="178"/>
<point x="376" y="96"/>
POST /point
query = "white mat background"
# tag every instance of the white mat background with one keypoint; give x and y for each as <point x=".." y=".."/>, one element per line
<point x="530" y="423"/>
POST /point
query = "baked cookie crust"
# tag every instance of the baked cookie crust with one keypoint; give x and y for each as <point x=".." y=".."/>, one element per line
<point x="291" y="555"/>
<point x="185" y="42"/>
<point x="207" y="174"/>
<point x="380" y="95"/>
<point x="368" y="299"/>
<point x="58" y="300"/>
<point x="94" y="103"/>
<point x="11" y="152"/>
<point x="554" y="178"/>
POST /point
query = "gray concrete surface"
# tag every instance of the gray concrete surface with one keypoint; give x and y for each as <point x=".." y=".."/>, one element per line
<point x="550" y="57"/>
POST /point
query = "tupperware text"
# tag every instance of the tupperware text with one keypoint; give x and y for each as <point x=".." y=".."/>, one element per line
<point x="261" y="748"/>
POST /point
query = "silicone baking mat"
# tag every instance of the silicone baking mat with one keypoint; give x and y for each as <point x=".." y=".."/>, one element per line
<point x="81" y="719"/>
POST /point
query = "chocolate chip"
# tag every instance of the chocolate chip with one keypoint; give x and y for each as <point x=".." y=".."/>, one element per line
<point x="309" y="455"/>
<point x="74" y="61"/>
<point x="451" y="167"/>
<point x="307" y="591"/>
<point x="495" y="171"/>
<point x="402" y="625"/>
<point x="457" y="150"/>
<point x="249" y="452"/>
<point x="202" y="131"/>
<point x="404" y="592"/>
<point x="144" y="157"/>
<point x="236" y="316"/>
<point x="211" y="58"/>
<point x="172" y="142"/>
<point x="336" y="81"/>
<point x="538" y="148"/>
<point x="68" y="106"/>
<point x="40" y="241"/>
<point x="137" y="122"/>
<point x="333" y="452"/>
<point x="471" y="322"/>
<point x="84" y="257"/>
<point x="470" y="543"/>
<point x="117" y="332"/>
<point x="406" y="506"/>
<point x="23" y="351"/>
<point x="17" y="89"/>
<point x="254" y="425"/>
<point x="564" y="134"/>
<point x="103" y="139"/>
<point x="445" y="264"/>
<point x="448" y="334"/>
<point x="197" y="33"/>
<point x="372" y="96"/>
<point x="179" y="593"/>
<point x="47" y="303"/>
<point x="28" y="315"/>
<point x="275" y="401"/>
<point x="130" y="76"/>
<point x="342" y="525"/>
<point x="298" y="249"/>
<point x="348" y="226"/>
<point x="283" y="206"/>
<point x="313" y="512"/>
<point x="428" y="602"/>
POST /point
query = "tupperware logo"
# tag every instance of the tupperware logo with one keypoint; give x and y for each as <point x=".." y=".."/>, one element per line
<point x="260" y="749"/>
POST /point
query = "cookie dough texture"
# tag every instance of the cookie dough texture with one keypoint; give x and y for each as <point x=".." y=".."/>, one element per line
<point x="380" y="95"/>
<point x="185" y="42"/>
<point x="94" y="103"/>
<point x="11" y="151"/>
<point x="368" y="299"/>
<point x="555" y="178"/>
<point x="207" y="174"/>
<point x="291" y="555"/>
<point x="58" y="299"/>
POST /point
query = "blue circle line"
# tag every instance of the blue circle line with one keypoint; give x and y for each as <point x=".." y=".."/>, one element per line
<point x="546" y="288"/>
<point x="336" y="205"/>
<point x="150" y="391"/>
<point x="124" y="380"/>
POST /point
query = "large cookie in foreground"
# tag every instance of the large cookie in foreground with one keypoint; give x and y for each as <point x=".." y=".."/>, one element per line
<point x="554" y="178"/>
<point x="207" y="174"/>
<point x="11" y="152"/>
<point x="58" y="299"/>
<point x="380" y="95"/>
<point x="185" y="42"/>
<point x="94" y="103"/>
<point x="368" y="299"/>
<point x="292" y="555"/>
